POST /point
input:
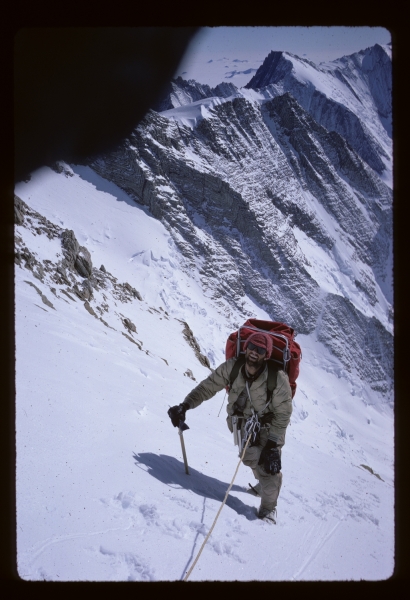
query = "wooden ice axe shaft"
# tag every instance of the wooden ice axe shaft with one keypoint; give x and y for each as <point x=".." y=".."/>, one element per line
<point x="181" y="437"/>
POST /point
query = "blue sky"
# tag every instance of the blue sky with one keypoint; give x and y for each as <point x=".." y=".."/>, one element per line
<point x="225" y="53"/>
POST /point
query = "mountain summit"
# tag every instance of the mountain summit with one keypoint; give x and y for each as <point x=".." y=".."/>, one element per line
<point x="351" y="95"/>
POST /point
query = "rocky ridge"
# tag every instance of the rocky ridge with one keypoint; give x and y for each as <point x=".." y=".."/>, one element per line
<point x="180" y="92"/>
<point x="238" y="190"/>
<point x="73" y="278"/>
<point x="351" y="96"/>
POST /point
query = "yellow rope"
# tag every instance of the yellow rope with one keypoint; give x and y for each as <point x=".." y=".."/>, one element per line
<point x="219" y="511"/>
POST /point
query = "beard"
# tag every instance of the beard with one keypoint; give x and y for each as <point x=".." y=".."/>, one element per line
<point x="255" y="363"/>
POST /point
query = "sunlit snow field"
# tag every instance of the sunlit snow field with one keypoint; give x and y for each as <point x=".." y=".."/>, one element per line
<point x="101" y="489"/>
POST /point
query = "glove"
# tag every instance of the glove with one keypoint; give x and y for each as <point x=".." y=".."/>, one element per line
<point x="177" y="413"/>
<point x="270" y="458"/>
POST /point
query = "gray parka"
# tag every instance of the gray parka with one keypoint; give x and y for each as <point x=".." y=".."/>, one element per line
<point x="280" y="405"/>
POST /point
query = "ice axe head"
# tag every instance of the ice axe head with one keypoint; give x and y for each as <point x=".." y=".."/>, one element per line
<point x="182" y="426"/>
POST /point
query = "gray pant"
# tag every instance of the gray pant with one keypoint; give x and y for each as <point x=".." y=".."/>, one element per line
<point x="270" y="484"/>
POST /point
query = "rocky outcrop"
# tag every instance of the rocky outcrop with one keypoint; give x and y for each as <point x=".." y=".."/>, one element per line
<point x="43" y="297"/>
<point x="189" y="337"/>
<point x="74" y="270"/>
<point x="18" y="211"/>
<point x="129" y="325"/>
<point x="76" y="257"/>
<point x="59" y="273"/>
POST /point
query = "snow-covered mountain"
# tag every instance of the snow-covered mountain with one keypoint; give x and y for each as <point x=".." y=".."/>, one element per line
<point x="351" y="95"/>
<point x="130" y="273"/>
<point x="181" y="92"/>
<point x="266" y="203"/>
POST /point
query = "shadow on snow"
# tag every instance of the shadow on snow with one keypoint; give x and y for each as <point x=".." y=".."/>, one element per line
<point x="171" y="471"/>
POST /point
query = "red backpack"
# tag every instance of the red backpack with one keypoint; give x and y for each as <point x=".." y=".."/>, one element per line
<point x="286" y="353"/>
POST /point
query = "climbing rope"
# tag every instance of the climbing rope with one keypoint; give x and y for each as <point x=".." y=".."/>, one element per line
<point x="219" y="511"/>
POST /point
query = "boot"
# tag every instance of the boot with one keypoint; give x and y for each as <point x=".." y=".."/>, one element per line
<point x="269" y="516"/>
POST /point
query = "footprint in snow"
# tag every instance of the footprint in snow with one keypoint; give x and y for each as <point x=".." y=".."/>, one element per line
<point x="127" y="565"/>
<point x="149" y="512"/>
<point x="223" y="548"/>
<point x="123" y="500"/>
<point x="175" y="527"/>
<point x="220" y="546"/>
<point x="183" y="503"/>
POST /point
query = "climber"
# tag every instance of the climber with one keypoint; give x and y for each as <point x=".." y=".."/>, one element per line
<point x="263" y="416"/>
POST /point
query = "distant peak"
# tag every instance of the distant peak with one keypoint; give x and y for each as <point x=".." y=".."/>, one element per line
<point x="273" y="69"/>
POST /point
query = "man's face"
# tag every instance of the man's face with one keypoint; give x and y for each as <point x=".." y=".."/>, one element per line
<point x="255" y="355"/>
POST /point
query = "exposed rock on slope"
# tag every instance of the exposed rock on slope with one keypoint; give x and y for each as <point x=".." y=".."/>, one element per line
<point x="190" y="338"/>
<point x="97" y="289"/>
<point x="239" y="190"/>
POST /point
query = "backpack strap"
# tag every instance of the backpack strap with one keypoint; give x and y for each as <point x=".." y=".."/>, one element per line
<point x="272" y="379"/>
<point x="235" y="370"/>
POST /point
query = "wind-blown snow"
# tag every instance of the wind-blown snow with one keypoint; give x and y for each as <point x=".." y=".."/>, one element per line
<point x="101" y="488"/>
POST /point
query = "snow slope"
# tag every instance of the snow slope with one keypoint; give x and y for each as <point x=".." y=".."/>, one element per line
<point x="101" y="490"/>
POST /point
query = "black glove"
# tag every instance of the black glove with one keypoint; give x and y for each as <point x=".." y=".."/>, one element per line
<point x="177" y="413"/>
<point x="270" y="458"/>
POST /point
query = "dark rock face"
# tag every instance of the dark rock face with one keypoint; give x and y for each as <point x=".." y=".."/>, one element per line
<point x="83" y="263"/>
<point x="263" y="178"/>
<point x="71" y="247"/>
<point x="189" y="337"/>
<point x="18" y="211"/>
<point x="129" y="325"/>
<point x="273" y="69"/>
<point x="76" y="257"/>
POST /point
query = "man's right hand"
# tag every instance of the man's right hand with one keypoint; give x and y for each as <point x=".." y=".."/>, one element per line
<point x="177" y="413"/>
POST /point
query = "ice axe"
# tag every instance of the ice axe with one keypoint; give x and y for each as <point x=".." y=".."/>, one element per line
<point x="181" y="428"/>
